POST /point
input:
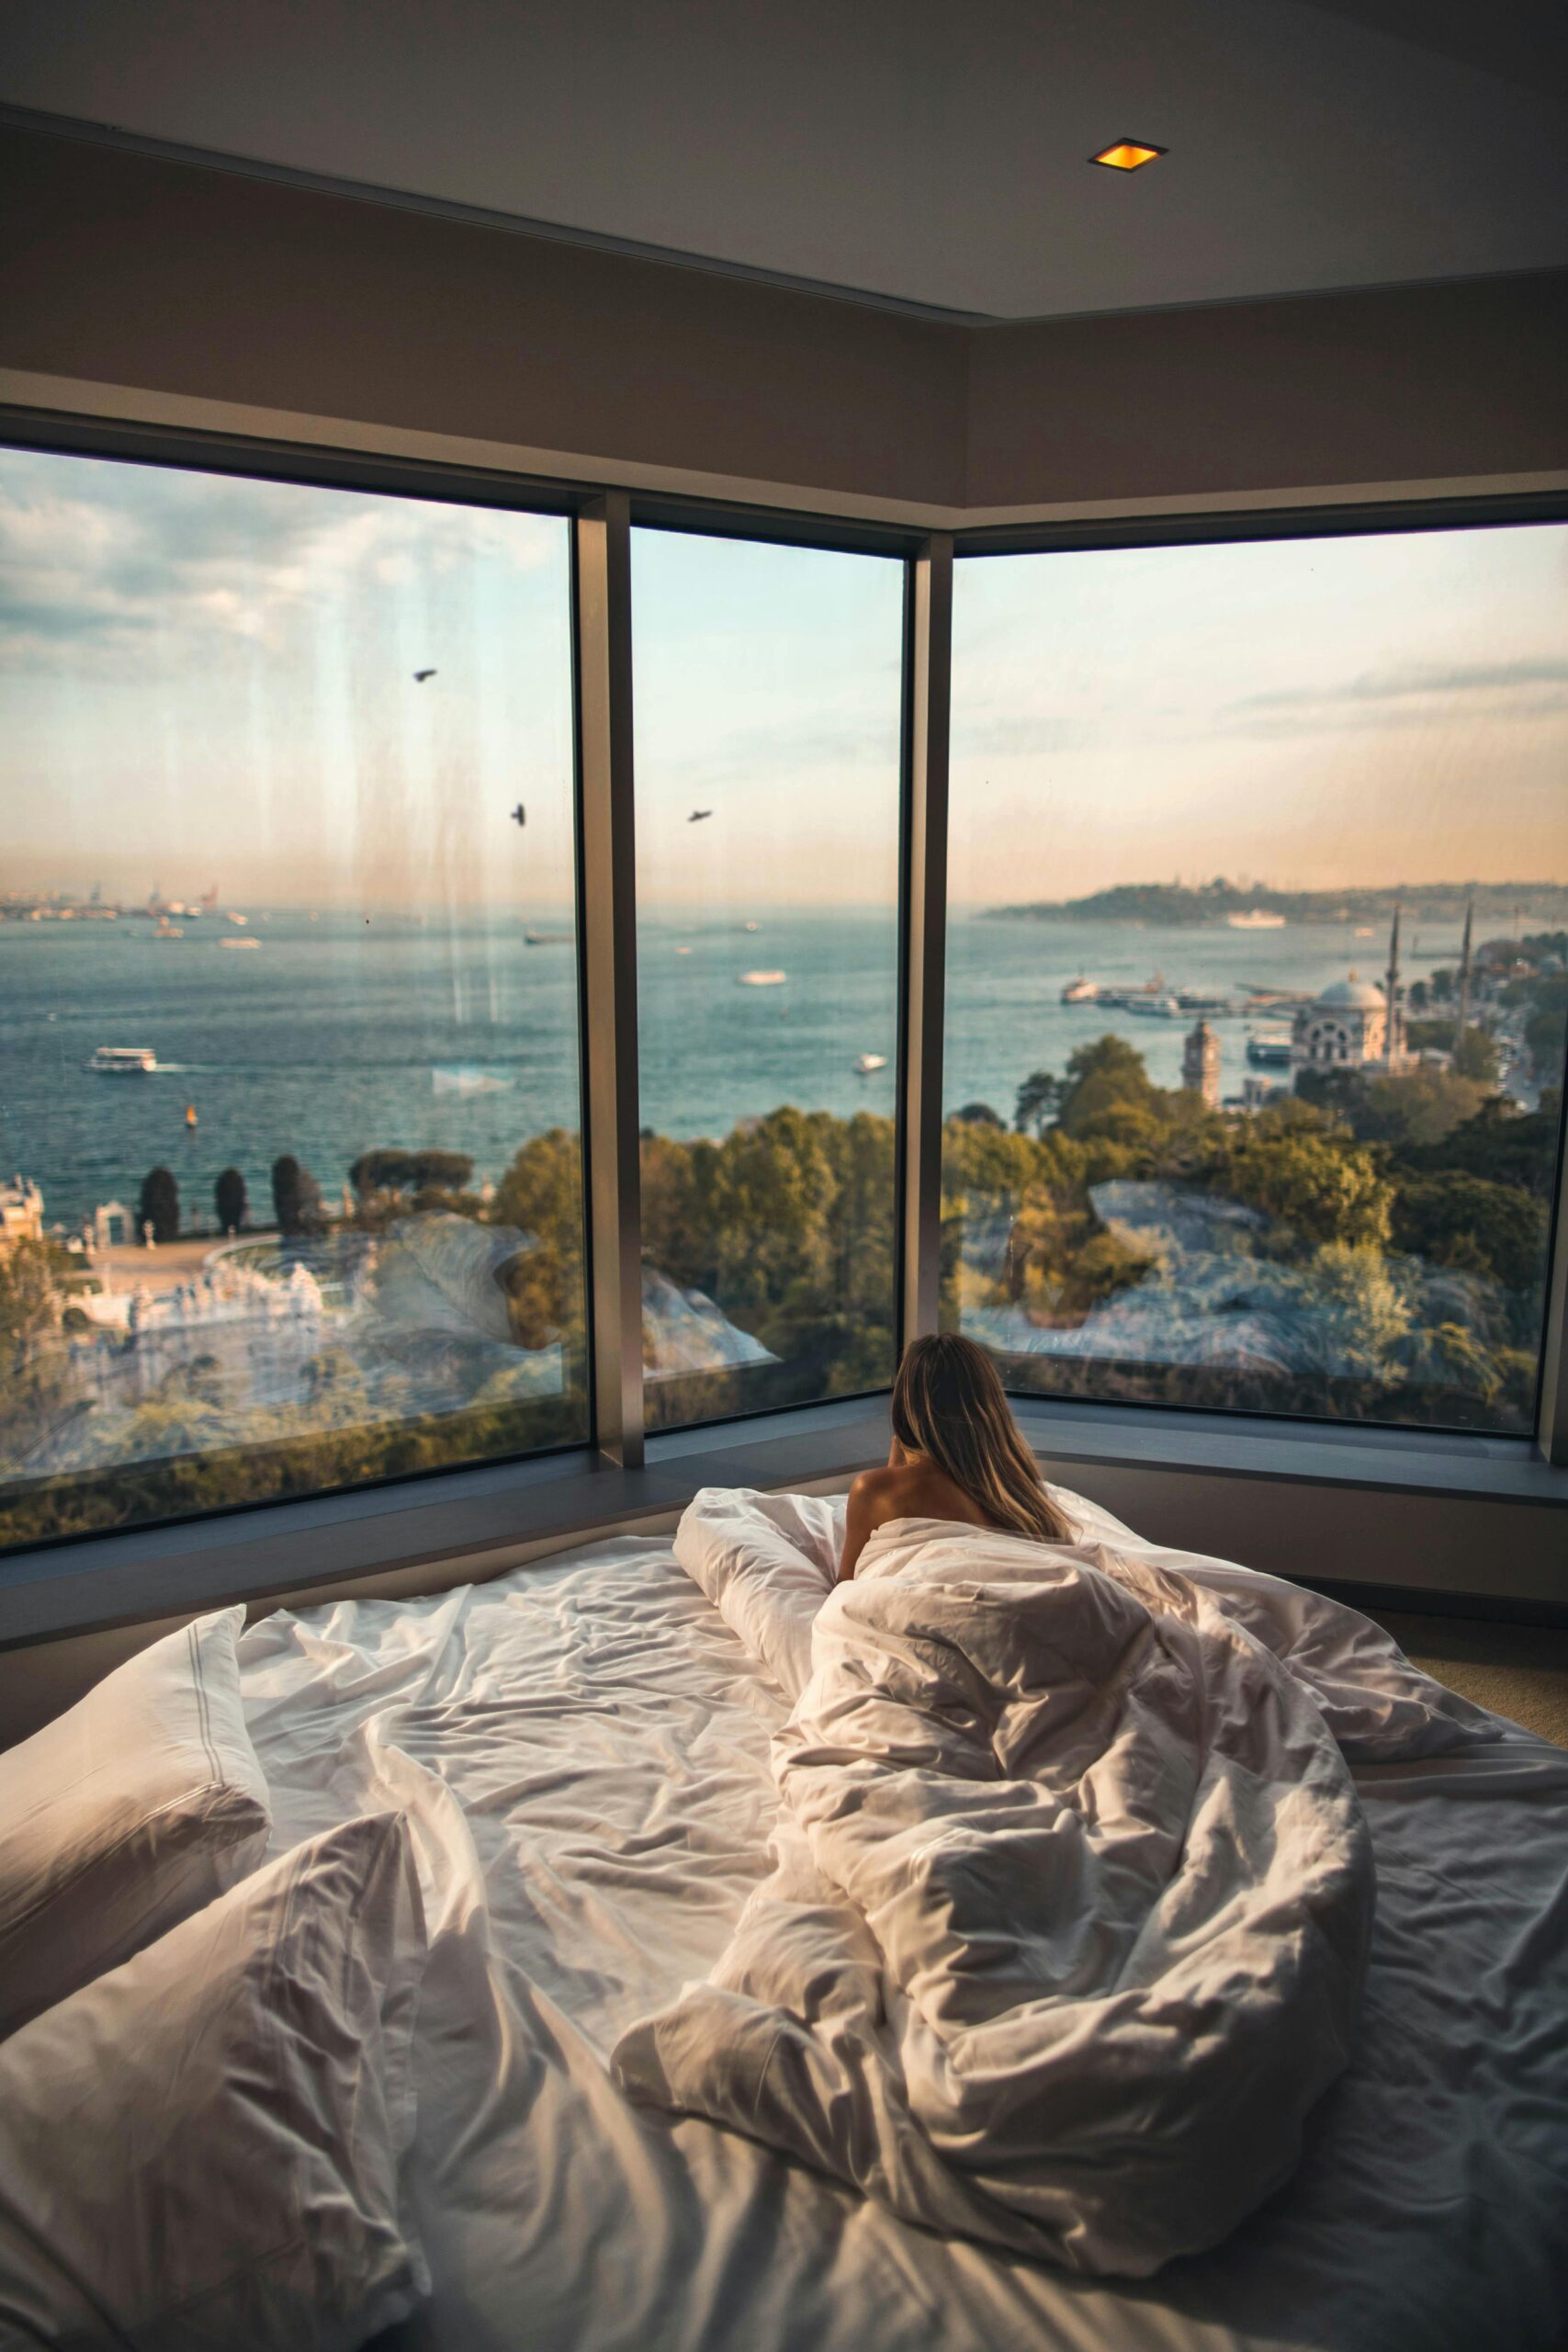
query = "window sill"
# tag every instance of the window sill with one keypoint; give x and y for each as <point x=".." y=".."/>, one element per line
<point x="1373" y="1512"/>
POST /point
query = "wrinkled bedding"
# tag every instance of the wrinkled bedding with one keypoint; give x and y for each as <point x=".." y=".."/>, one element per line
<point x="1073" y="1892"/>
<point x="582" y="1749"/>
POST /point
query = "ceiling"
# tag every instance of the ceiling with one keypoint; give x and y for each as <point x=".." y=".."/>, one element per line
<point x="921" y="151"/>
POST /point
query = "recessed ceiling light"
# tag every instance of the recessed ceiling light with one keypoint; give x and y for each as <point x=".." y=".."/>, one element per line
<point x="1126" y="156"/>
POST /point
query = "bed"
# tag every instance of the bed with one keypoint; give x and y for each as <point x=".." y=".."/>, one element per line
<point x="582" y="1751"/>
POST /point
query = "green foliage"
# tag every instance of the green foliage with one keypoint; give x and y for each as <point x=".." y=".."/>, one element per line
<point x="1456" y="1220"/>
<point x="1037" y="1100"/>
<point x="1320" y="1189"/>
<point x="229" y="1198"/>
<point x="1476" y="1057"/>
<point x="159" y="1205"/>
<point x="295" y="1199"/>
<point x="979" y="1115"/>
<point x="388" y="1169"/>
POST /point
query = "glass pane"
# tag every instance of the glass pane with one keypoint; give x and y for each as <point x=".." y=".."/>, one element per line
<point x="288" y="1072"/>
<point x="1257" y="971"/>
<point x="768" y="702"/>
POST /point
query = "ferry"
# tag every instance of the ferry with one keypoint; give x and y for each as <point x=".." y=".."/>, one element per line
<point x="1270" y="1049"/>
<point x="1155" y="1008"/>
<point x="1081" y="992"/>
<point x="239" y="943"/>
<point x="866" y="1065"/>
<point x="124" y="1061"/>
<point x="760" y="980"/>
<point x="1256" y="919"/>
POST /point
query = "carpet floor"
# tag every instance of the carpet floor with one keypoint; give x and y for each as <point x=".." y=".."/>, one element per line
<point x="1520" y="1671"/>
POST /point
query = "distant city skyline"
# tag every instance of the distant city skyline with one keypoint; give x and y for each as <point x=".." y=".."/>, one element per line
<point x="204" y="678"/>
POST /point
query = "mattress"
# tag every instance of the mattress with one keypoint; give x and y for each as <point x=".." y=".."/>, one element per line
<point x="583" y="1750"/>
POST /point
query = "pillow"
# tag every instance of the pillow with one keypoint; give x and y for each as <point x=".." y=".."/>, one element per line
<point x="201" y="2148"/>
<point x="131" y="1810"/>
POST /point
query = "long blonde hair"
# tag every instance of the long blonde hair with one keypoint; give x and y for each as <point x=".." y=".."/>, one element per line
<point x="948" y="1407"/>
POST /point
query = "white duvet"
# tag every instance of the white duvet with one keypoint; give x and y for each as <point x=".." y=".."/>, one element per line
<point x="1072" y="1892"/>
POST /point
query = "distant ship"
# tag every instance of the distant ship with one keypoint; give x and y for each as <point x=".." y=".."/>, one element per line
<point x="239" y="943"/>
<point x="124" y="1061"/>
<point x="549" y="938"/>
<point x="1081" y="992"/>
<point x="1256" y="919"/>
<point x="1270" y="1049"/>
<point x="1155" y="1008"/>
<point x="867" y="1064"/>
<point x="167" y="930"/>
<point x="762" y="980"/>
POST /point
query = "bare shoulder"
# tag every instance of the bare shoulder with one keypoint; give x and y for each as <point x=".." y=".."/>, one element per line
<point x="881" y="1493"/>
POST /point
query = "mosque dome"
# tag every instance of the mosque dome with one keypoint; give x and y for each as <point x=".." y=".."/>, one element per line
<point x="1362" y="996"/>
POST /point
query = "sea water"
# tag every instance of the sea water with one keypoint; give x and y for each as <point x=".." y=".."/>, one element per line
<point x="337" y="1034"/>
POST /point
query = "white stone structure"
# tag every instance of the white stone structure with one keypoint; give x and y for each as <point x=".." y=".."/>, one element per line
<point x="1345" y="1028"/>
<point x="21" y="1214"/>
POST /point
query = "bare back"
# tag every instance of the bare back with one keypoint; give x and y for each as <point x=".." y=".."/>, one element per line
<point x="908" y="1487"/>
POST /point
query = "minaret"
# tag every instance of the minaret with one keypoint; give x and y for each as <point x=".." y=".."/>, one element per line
<point x="1463" y="1021"/>
<point x="1393" y="1035"/>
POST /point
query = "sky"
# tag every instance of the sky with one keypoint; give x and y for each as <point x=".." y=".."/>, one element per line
<point x="206" y="679"/>
<point x="1315" y="714"/>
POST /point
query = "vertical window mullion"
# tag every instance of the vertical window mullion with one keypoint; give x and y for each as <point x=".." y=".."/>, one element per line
<point x="607" y="818"/>
<point x="929" y="656"/>
<point x="1551" y="1422"/>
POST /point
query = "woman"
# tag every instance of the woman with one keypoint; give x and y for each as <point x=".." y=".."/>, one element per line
<point x="956" y="1454"/>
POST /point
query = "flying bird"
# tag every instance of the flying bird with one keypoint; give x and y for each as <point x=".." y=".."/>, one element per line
<point x="519" y="815"/>
<point x="698" y="815"/>
<point x="420" y="676"/>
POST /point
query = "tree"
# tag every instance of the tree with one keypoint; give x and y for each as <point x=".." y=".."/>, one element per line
<point x="1321" y="1189"/>
<point x="1453" y="1218"/>
<point x="1476" y="1057"/>
<point x="1038" y="1098"/>
<point x="296" y="1198"/>
<point x="160" y="1205"/>
<point x="229" y="1198"/>
<point x="391" y="1170"/>
<point x="977" y="1115"/>
<point x="1105" y="1081"/>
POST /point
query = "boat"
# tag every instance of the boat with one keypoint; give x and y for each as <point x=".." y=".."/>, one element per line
<point x="866" y="1065"/>
<point x="1155" y="1008"/>
<point x="547" y="938"/>
<point x="1256" y="919"/>
<point x="167" y="930"/>
<point x="1081" y="992"/>
<point x="1270" y="1049"/>
<point x="239" y="943"/>
<point x="190" y="1114"/>
<point x="124" y="1061"/>
<point x="760" y="980"/>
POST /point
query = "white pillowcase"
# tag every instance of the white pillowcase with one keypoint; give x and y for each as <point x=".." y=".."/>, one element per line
<point x="201" y="2149"/>
<point x="129" y="1812"/>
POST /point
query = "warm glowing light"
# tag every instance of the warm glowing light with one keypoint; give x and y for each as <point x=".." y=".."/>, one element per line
<point x="1126" y="156"/>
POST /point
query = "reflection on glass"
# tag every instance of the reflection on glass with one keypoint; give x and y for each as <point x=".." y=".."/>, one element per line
<point x="767" y="698"/>
<point x="1258" y="972"/>
<point x="288" y="1094"/>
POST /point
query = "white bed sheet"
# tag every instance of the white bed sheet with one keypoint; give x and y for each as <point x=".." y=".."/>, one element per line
<point x="582" y="1751"/>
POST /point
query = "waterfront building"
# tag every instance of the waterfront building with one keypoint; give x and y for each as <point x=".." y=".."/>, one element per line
<point x="112" y="1227"/>
<point x="1201" y="1064"/>
<point x="21" y="1214"/>
<point x="1354" y="1024"/>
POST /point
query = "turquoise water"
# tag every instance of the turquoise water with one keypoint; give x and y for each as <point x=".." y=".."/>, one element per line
<point x="335" y="1034"/>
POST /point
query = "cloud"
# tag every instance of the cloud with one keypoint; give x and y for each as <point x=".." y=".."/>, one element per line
<point x="99" y="562"/>
<point x="1384" y="697"/>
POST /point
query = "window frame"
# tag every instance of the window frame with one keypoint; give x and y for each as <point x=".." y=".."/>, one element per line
<point x="601" y="637"/>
